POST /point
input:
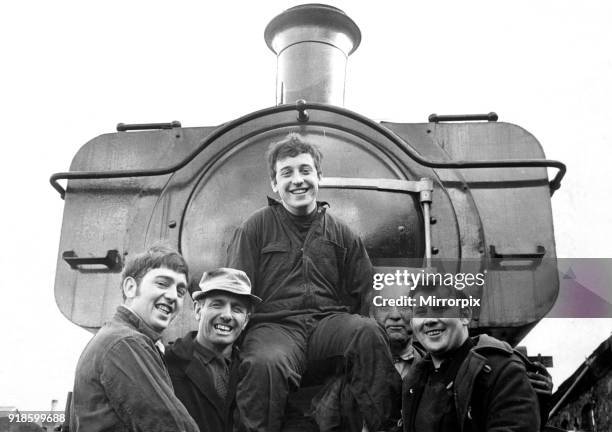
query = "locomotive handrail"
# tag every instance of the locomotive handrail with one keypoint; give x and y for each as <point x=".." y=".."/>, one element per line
<point x="300" y="106"/>
<point x="122" y="127"/>
<point x="423" y="187"/>
<point x="438" y="118"/>
<point x="376" y="184"/>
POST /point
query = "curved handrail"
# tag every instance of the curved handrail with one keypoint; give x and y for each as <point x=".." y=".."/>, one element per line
<point x="301" y="106"/>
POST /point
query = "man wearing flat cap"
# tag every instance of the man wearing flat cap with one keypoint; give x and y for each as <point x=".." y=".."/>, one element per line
<point x="203" y="364"/>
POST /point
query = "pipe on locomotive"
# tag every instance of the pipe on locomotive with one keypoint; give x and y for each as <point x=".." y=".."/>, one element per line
<point x="312" y="43"/>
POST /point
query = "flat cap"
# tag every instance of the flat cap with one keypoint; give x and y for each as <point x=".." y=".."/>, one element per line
<point x="225" y="279"/>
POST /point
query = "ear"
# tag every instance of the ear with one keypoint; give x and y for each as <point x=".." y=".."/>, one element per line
<point x="197" y="307"/>
<point x="129" y="287"/>
<point x="274" y="186"/>
<point x="466" y="315"/>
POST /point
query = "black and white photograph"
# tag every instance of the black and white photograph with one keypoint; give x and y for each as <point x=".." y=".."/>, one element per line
<point x="290" y="216"/>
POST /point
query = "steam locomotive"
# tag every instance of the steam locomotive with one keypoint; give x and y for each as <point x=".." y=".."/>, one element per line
<point x="465" y="192"/>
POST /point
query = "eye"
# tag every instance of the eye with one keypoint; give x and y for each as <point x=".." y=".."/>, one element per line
<point x="162" y="283"/>
<point x="238" y="310"/>
<point x="420" y="311"/>
<point x="181" y="291"/>
<point x="306" y="170"/>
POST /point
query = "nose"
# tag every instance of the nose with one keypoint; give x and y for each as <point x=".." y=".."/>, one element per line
<point x="297" y="178"/>
<point x="394" y="313"/>
<point x="226" y="313"/>
<point x="430" y="322"/>
<point x="171" y="293"/>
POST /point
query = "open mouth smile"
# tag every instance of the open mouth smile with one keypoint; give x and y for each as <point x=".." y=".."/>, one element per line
<point x="164" y="308"/>
<point x="434" y="332"/>
<point x="222" y="328"/>
<point x="299" y="191"/>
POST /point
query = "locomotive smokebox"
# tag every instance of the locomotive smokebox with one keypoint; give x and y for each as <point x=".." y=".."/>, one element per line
<point x="312" y="43"/>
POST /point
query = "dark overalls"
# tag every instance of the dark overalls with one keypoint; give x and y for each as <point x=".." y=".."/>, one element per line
<point x="309" y="281"/>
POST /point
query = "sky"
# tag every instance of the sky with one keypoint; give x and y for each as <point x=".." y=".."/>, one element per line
<point x="72" y="70"/>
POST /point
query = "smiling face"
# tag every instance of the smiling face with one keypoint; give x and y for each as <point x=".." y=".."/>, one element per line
<point x="297" y="183"/>
<point x="395" y="319"/>
<point x="158" y="298"/>
<point x="441" y="330"/>
<point x="221" y="318"/>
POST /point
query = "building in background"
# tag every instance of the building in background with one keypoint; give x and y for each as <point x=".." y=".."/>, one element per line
<point x="584" y="401"/>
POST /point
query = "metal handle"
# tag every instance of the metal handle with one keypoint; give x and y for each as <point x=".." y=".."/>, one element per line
<point x="435" y="118"/>
<point x="112" y="260"/>
<point x="539" y="254"/>
<point x="522" y="259"/>
<point x="122" y="127"/>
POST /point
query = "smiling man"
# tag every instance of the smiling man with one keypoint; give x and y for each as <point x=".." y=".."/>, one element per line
<point x="312" y="273"/>
<point x="203" y="364"/>
<point x="464" y="384"/>
<point x="121" y="381"/>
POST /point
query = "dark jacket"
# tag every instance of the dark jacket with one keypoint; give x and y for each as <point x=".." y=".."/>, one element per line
<point x="491" y="391"/>
<point x="329" y="271"/>
<point x="122" y="384"/>
<point x="193" y="383"/>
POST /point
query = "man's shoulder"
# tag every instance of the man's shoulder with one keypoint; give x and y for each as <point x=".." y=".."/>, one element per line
<point x="495" y="350"/>
<point x="492" y="362"/>
<point x="258" y="217"/>
<point x="487" y="345"/>
<point x="339" y="226"/>
<point x="180" y="352"/>
<point x="113" y="336"/>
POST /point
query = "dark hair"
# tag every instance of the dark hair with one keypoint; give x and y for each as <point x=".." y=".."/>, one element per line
<point x="155" y="257"/>
<point x="291" y="146"/>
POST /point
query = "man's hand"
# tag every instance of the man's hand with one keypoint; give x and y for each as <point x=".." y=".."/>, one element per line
<point x="540" y="380"/>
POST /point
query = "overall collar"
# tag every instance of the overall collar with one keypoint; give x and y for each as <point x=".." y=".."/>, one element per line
<point x="126" y="315"/>
<point x="274" y="202"/>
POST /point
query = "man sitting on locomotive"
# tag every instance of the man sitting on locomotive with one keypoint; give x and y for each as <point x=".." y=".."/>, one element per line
<point x="312" y="273"/>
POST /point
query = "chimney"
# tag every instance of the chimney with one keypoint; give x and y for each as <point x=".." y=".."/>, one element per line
<point x="312" y="43"/>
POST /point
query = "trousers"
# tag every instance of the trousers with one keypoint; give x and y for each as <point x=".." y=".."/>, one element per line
<point x="275" y="356"/>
